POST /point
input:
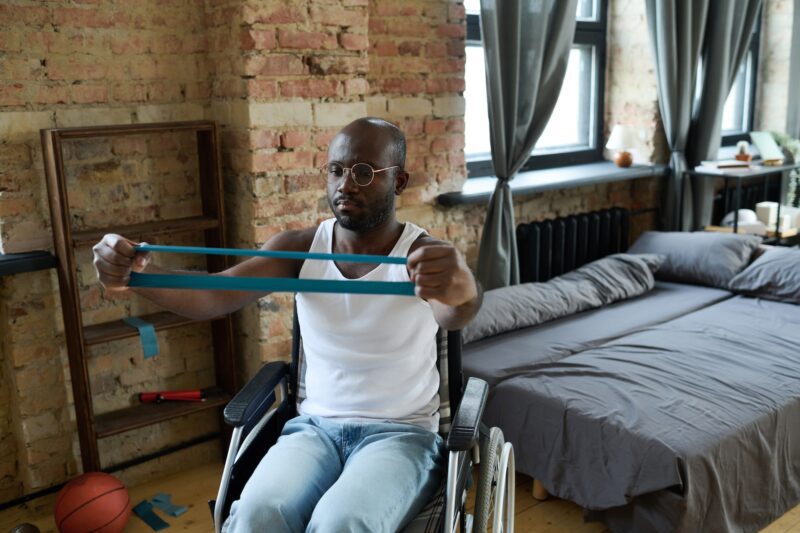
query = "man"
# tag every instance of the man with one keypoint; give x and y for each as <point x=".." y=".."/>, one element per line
<point x="364" y="454"/>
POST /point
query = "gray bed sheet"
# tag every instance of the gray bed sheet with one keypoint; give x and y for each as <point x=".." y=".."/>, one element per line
<point x="497" y="358"/>
<point x="689" y="425"/>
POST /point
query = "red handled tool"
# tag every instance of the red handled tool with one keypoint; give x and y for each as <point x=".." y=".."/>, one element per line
<point x="189" y="395"/>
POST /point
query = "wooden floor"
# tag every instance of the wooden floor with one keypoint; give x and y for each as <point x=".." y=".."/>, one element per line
<point x="194" y="487"/>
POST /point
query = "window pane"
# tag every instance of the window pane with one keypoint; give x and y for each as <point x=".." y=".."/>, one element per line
<point x="587" y="10"/>
<point x="737" y="106"/>
<point x="476" y="114"/>
<point x="473" y="6"/>
<point x="570" y="125"/>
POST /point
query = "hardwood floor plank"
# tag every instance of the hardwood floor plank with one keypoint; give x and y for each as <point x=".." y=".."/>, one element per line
<point x="195" y="487"/>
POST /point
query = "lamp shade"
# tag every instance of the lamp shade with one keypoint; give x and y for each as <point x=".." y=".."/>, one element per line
<point x="621" y="138"/>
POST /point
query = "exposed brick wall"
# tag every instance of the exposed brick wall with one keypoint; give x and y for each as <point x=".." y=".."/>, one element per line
<point x="773" y="70"/>
<point x="416" y="78"/>
<point x="35" y="385"/>
<point x="631" y="85"/>
<point x="67" y="63"/>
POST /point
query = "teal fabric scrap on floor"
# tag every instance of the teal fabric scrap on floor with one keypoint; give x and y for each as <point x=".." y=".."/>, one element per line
<point x="162" y="500"/>
<point x="144" y="510"/>
<point x="147" y="334"/>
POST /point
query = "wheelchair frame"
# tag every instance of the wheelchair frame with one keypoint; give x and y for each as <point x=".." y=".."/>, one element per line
<point x="256" y="422"/>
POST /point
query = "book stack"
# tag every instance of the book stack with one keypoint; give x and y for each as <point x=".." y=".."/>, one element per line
<point x="723" y="164"/>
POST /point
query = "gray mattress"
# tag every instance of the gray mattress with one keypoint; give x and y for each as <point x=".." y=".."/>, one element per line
<point x="497" y="358"/>
<point x="691" y="424"/>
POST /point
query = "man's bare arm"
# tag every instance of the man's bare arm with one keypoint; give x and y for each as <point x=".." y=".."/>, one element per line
<point x="442" y="277"/>
<point x="115" y="259"/>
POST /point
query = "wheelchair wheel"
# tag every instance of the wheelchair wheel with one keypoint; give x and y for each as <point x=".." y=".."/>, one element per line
<point x="488" y="480"/>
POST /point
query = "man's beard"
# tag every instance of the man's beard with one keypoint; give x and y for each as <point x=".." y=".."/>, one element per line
<point x="367" y="220"/>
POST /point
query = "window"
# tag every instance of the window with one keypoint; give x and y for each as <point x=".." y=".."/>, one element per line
<point x="739" y="111"/>
<point x="573" y="134"/>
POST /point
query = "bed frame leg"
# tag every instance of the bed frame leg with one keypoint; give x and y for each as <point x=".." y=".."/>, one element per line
<point x="539" y="492"/>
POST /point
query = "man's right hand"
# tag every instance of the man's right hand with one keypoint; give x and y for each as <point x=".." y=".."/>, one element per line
<point x="115" y="259"/>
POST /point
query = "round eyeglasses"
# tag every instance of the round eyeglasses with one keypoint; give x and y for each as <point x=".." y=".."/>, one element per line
<point x="362" y="173"/>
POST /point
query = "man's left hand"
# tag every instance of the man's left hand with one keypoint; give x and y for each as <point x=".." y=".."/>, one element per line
<point x="440" y="272"/>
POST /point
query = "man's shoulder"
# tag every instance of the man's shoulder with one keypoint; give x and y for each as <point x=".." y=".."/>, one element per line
<point x="425" y="240"/>
<point x="293" y="240"/>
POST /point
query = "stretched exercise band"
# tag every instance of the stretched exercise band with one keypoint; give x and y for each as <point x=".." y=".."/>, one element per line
<point x="344" y="258"/>
<point x="233" y="283"/>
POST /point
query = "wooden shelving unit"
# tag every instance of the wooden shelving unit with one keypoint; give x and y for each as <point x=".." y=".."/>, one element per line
<point x="92" y="427"/>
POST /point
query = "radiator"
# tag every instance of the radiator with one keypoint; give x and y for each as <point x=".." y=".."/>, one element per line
<point x="552" y="247"/>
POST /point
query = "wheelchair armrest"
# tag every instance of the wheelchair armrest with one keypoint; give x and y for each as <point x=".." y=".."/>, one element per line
<point x="256" y="396"/>
<point x="464" y="429"/>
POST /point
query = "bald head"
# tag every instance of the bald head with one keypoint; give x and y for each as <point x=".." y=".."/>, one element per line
<point x="386" y="137"/>
<point x="381" y="145"/>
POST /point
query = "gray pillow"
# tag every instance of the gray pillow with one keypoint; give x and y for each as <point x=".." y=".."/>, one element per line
<point x="595" y="284"/>
<point x="775" y="275"/>
<point x="703" y="258"/>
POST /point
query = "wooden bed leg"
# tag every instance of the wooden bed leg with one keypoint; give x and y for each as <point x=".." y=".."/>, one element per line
<point x="539" y="492"/>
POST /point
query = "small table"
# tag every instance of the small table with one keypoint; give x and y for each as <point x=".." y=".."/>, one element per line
<point x="739" y="174"/>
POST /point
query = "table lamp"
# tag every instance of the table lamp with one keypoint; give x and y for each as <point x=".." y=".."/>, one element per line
<point x="621" y="140"/>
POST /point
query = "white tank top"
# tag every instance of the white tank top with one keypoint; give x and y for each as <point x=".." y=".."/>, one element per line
<point x="370" y="357"/>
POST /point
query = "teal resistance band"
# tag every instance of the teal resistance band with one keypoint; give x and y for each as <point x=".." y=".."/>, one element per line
<point x="344" y="258"/>
<point x="182" y="281"/>
<point x="147" y="333"/>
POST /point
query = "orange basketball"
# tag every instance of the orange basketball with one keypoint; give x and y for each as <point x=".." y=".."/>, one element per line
<point x="93" y="502"/>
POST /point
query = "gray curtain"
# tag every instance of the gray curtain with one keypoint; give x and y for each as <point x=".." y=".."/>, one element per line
<point x="681" y="33"/>
<point x="726" y="44"/>
<point x="793" y="114"/>
<point x="527" y="45"/>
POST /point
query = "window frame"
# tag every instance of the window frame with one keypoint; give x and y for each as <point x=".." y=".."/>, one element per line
<point x="587" y="32"/>
<point x="730" y="139"/>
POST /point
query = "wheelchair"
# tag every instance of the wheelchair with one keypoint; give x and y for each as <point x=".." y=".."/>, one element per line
<point x="257" y="423"/>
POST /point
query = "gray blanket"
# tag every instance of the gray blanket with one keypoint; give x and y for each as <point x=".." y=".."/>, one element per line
<point x="497" y="358"/>
<point x="689" y="425"/>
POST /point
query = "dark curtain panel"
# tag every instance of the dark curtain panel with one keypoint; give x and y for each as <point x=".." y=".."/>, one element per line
<point x="527" y="45"/>
<point x="685" y="35"/>
<point x="728" y="37"/>
<point x="793" y="114"/>
<point x="677" y="28"/>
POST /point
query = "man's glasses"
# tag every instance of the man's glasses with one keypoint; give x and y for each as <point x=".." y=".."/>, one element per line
<point x="362" y="173"/>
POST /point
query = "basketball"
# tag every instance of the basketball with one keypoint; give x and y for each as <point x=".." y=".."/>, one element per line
<point x="92" y="502"/>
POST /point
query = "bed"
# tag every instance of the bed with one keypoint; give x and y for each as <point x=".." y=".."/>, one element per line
<point x="677" y="410"/>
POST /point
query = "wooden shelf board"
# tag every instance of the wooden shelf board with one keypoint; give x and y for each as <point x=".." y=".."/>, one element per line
<point x="146" y="414"/>
<point x="136" y="231"/>
<point x="25" y="262"/>
<point x="117" y="329"/>
<point x="131" y="129"/>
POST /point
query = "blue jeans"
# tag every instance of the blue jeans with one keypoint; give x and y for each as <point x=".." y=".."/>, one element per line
<point x="329" y="476"/>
